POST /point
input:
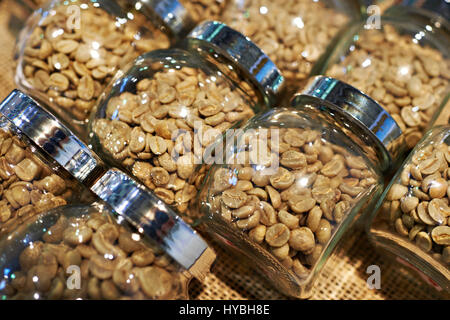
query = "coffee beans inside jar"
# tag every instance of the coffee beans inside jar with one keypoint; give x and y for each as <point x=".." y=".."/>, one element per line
<point x="28" y="185"/>
<point x="200" y="10"/>
<point x="160" y="130"/>
<point x="292" y="33"/>
<point x="416" y="208"/>
<point x="288" y="194"/>
<point x="113" y="263"/>
<point x="70" y="55"/>
<point x="409" y="79"/>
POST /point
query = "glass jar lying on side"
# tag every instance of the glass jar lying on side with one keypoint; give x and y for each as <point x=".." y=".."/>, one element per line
<point x="125" y="202"/>
<point x="293" y="33"/>
<point x="69" y="50"/>
<point x="413" y="220"/>
<point x="80" y="252"/>
<point x="157" y="118"/>
<point x="31" y="182"/>
<point x="404" y="66"/>
<point x="296" y="178"/>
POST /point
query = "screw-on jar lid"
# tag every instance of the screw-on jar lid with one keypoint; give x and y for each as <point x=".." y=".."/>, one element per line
<point x="151" y="216"/>
<point x="170" y="13"/>
<point x="244" y="54"/>
<point x="365" y="112"/>
<point x="53" y="137"/>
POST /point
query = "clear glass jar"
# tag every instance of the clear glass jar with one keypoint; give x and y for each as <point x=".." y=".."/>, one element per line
<point x="69" y="51"/>
<point x="293" y="33"/>
<point x="32" y="182"/>
<point x="296" y="178"/>
<point x="412" y="222"/>
<point x="127" y="202"/>
<point x="80" y="252"/>
<point x="158" y="117"/>
<point x="404" y="66"/>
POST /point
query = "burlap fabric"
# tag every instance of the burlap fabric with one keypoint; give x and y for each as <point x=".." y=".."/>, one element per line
<point x="344" y="276"/>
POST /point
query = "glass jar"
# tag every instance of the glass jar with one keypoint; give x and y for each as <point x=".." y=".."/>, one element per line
<point x="128" y="203"/>
<point x="69" y="51"/>
<point x="412" y="221"/>
<point x="296" y="178"/>
<point x="293" y="33"/>
<point x="157" y="118"/>
<point x="404" y="66"/>
<point x="32" y="182"/>
<point x="80" y="252"/>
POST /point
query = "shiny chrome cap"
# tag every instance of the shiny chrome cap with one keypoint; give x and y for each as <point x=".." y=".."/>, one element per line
<point x="152" y="217"/>
<point x="362" y="109"/>
<point x="53" y="137"/>
<point x="243" y="53"/>
<point x="170" y="13"/>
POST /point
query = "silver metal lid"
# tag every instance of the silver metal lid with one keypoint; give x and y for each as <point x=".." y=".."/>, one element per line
<point x="363" y="109"/>
<point x="51" y="136"/>
<point x="152" y="217"/>
<point x="246" y="55"/>
<point x="170" y="13"/>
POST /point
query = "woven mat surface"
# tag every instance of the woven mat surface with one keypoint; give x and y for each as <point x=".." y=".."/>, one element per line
<point x="343" y="277"/>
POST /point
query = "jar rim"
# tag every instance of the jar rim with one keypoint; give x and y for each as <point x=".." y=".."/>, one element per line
<point x="243" y="54"/>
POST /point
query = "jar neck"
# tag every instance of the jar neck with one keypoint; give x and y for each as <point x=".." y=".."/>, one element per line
<point x="241" y="76"/>
<point x="340" y="118"/>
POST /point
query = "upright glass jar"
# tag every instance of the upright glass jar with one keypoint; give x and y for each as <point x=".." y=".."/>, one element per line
<point x="412" y="222"/>
<point x="293" y="33"/>
<point x="404" y="65"/>
<point x="31" y="181"/>
<point x="158" y="117"/>
<point x="75" y="232"/>
<point x="69" y="51"/>
<point x="296" y="178"/>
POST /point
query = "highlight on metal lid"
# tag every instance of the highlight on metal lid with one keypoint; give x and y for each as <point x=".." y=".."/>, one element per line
<point x="170" y="13"/>
<point x="362" y="108"/>
<point x="246" y="55"/>
<point x="156" y="220"/>
<point x="47" y="132"/>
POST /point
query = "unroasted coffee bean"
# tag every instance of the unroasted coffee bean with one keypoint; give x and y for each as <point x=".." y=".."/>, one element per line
<point x="302" y="239"/>
<point x="277" y="235"/>
<point x="234" y="198"/>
